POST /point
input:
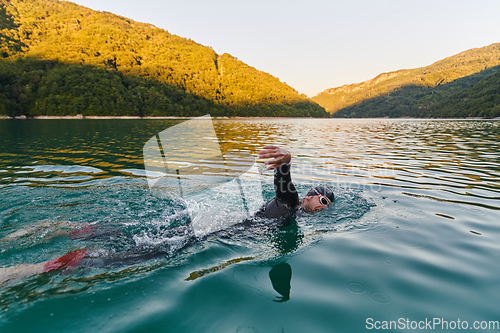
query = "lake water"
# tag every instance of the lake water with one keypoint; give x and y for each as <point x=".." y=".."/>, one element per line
<point x="413" y="234"/>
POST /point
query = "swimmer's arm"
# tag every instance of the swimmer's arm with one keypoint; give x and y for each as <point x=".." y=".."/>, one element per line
<point x="279" y="160"/>
<point x="283" y="186"/>
<point x="277" y="156"/>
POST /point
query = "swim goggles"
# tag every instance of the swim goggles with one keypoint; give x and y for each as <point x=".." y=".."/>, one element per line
<point x="322" y="199"/>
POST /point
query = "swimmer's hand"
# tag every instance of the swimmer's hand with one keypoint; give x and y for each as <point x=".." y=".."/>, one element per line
<point x="277" y="155"/>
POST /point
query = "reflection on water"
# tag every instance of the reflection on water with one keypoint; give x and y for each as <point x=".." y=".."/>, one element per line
<point x="105" y="145"/>
<point x="413" y="232"/>
<point x="281" y="276"/>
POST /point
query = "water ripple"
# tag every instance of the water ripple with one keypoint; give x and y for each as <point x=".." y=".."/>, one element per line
<point x="413" y="230"/>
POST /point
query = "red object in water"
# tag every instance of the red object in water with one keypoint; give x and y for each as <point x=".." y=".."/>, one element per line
<point x="67" y="260"/>
<point x="82" y="233"/>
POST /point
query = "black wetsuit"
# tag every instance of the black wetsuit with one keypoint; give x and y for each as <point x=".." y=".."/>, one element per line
<point x="277" y="212"/>
<point x="286" y="202"/>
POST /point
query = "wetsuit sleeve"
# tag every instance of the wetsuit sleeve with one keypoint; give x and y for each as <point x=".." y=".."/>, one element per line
<point x="283" y="186"/>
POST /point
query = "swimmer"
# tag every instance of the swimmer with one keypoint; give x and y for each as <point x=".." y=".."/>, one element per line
<point x="286" y="202"/>
<point x="281" y="209"/>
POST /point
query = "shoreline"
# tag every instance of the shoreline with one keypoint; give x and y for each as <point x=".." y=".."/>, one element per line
<point x="146" y="117"/>
<point x="225" y="117"/>
<point x="94" y="117"/>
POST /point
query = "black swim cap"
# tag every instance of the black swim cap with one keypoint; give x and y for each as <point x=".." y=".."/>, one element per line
<point x="325" y="191"/>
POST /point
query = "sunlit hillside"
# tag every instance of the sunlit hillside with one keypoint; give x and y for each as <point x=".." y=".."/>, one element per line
<point x="423" y="92"/>
<point x="59" y="58"/>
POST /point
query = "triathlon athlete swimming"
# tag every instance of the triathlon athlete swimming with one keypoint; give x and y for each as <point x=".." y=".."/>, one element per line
<point x="280" y="211"/>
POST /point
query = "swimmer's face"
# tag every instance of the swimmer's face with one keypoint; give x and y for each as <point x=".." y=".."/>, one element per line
<point x="311" y="204"/>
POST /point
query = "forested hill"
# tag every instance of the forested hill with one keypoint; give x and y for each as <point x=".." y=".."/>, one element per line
<point x="59" y="58"/>
<point x="464" y="85"/>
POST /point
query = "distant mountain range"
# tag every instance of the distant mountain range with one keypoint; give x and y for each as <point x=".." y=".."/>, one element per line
<point x="59" y="58"/>
<point x="464" y="85"/>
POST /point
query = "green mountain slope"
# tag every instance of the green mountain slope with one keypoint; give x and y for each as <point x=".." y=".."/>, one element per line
<point x="101" y="44"/>
<point x="479" y="100"/>
<point x="414" y="92"/>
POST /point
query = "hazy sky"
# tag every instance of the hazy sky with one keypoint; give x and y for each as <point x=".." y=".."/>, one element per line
<point x="317" y="44"/>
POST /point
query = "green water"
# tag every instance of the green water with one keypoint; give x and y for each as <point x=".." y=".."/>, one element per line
<point x="413" y="233"/>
